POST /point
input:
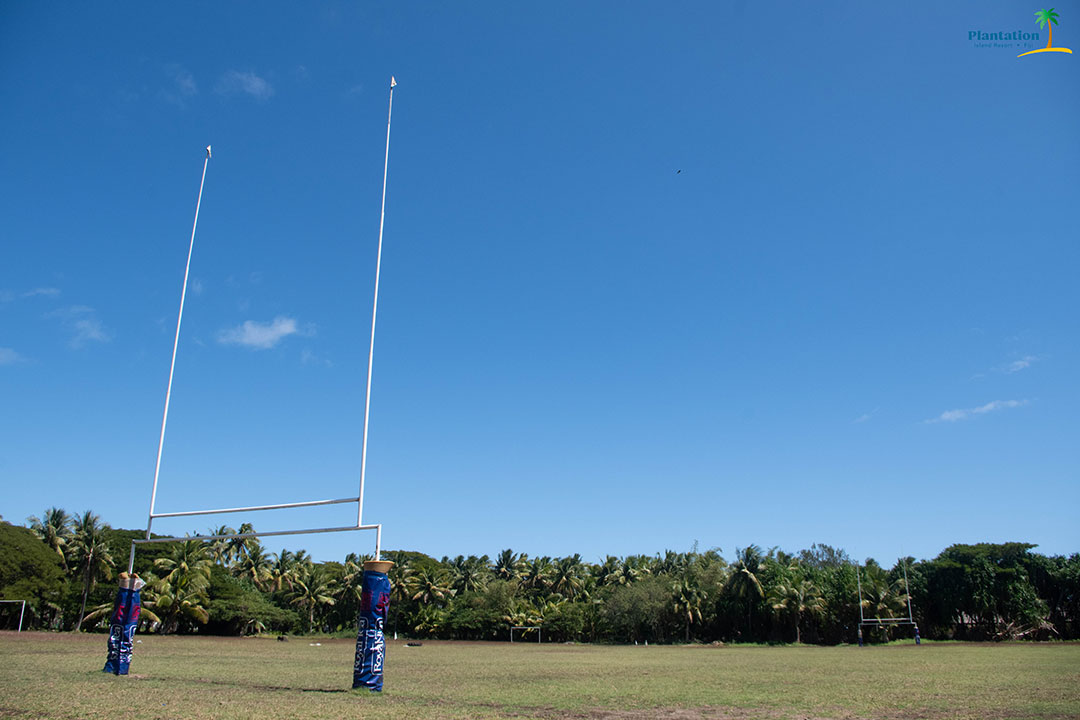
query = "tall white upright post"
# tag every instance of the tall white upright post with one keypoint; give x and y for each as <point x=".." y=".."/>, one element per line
<point x="172" y="364"/>
<point x="374" y="311"/>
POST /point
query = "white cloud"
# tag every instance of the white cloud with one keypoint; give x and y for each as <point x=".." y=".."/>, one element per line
<point x="257" y="335"/>
<point x="866" y="416"/>
<point x="197" y="286"/>
<point x="83" y="323"/>
<point x="9" y="356"/>
<point x="46" y="291"/>
<point x="1021" y="364"/>
<point x="235" y="82"/>
<point x="309" y="358"/>
<point x="183" y="86"/>
<point x="965" y="413"/>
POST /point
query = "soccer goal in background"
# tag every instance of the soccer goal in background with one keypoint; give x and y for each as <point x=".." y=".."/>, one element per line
<point x="526" y="628"/>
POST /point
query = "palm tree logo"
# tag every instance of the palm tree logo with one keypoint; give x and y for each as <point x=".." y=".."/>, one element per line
<point x="1049" y="19"/>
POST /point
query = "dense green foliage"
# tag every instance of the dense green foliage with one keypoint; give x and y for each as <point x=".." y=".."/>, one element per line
<point x="236" y="586"/>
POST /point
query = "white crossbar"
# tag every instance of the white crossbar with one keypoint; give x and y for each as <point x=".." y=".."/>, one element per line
<point x="310" y="503"/>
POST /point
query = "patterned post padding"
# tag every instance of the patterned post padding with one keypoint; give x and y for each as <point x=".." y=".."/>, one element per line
<point x="370" y="641"/>
<point x="122" y="624"/>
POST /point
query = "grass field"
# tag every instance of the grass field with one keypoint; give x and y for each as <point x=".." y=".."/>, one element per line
<point x="59" y="676"/>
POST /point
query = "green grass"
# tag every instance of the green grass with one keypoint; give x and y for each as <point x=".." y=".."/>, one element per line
<point x="59" y="676"/>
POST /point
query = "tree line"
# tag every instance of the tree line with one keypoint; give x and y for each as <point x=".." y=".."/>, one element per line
<point x="62" y="564"/>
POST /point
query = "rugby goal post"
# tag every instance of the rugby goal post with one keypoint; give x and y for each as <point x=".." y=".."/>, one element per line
<point x="880" y="622"/>
<point x="358" y="499"/>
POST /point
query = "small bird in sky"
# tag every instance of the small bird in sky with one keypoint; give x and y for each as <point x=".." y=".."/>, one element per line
<point x="678" y="172"/>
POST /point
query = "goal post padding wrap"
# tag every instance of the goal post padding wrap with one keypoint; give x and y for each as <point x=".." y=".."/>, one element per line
<point x="122" y="624"/>
<point x="370" y="641"/>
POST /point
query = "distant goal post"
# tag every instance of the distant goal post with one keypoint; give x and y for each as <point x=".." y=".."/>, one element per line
<point x="524" y="628"/>
<point x="22" y="611"/>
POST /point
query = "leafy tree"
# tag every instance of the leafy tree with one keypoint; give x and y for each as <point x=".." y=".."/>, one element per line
<point x="31" y="571"/>
<point x="635" y="612"/>
<point x="238" y="608"/>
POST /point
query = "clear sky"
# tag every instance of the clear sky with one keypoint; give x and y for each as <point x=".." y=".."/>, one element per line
<point x="654" y="273"/>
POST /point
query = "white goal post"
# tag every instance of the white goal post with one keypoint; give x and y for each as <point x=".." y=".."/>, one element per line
<point x="539" y="631"/>
<point x="359" y="498"/>
<point x="889" y="621"/>
<point x="22" y="612"/>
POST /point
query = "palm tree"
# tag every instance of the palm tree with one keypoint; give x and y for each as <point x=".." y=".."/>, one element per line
<point x="280" y="571"/>
<point x="428" y="585"/>
<point x="181" y="593"/>
<point x="312" y="588"/>
<point x="797" y="597"/>
<point x="689" y="598"/>
<point x="629" y="570"/>
<point x="536" y="574"/>
<point x="743" y="581"/>
<point x="468" y="574"/>
<point x="566" y="576"/>
<point x="54" y="530"/>
<point x="508" y="565"/>
<point x="221" y="549"/>
<point x="256" y="566"/>
<point x="90" y="553"/>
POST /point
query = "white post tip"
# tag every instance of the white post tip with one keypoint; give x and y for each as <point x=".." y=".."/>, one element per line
<point x="207" y="151"/>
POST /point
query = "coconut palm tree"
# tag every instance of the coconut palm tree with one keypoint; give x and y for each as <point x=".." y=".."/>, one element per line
<point x="536" y="574"/>
<point x="90" y="554"/>
<point x="281" y="574"/>
<point x="188" y="563"/>
<point x="181" y="595"/>
<point x="181" y="592"/>
<point x="566" y="576"/>
<point x="797" y="597"/>
<point x="256" y="566"/>
<point x="311" y="589"/>
<point x="468" y="574"/>
<point x="743" y="582"/>
<point x="54" y="530"/>
<point x="689" y="597"/>
<point x="428" y="585"/>
<point x="221" y="549"/>
<point x="508" y="565"/>
<point x="631" y="569"/>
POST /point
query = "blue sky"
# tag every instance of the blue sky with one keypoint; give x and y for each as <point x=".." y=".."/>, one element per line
<point x="654" y="274"/>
